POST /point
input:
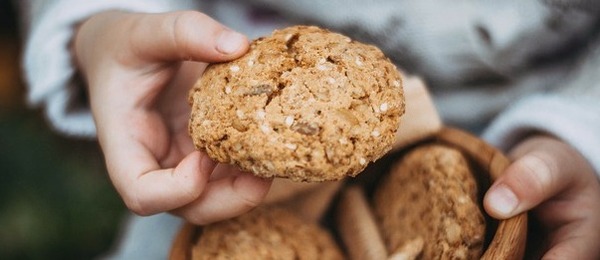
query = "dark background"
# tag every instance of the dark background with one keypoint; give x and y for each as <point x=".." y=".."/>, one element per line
<point x="56" y="201"/>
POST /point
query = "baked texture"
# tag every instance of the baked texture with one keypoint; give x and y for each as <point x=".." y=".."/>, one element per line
<point x="265" y="233"/>
<point x="304" y="103"/>
<point x="431" y="194"/>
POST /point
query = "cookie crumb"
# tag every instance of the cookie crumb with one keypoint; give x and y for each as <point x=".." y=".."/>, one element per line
<point x="289" y="37"/>
<point x="375" y="133"/>
<point x="291" y="146"/>
<point x="343" y="140"/>
<point x="240" y="114"/>
<point x="362" y="161"/>
<point x="383" y="107"/>
<point x="261" y="114"/>
<point x="289" y="121"/>
<point x="265" y="128"/>
<point x="358" y="61"/>
<point x="410" y="250"/>
<point x="322" y="67"/>
<point x="306" y="128"/>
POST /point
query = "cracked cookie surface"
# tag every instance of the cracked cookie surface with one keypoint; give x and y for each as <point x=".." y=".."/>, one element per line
<point x="304" y="103"/>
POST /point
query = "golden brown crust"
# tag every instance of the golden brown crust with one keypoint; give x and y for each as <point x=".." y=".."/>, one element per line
<point x="265" y="233"/>
<point x="305" y="103"/>
<point x="431" y="193"/>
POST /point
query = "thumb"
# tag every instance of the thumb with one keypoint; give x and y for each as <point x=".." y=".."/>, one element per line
<point x="543" y="168"/>
<point x="184" y="35"/>
<point x="525" y="183"/>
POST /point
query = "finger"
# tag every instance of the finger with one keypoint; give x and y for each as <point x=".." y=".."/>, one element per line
<point x="147" y="189"/>
<point x="224" y="171"/>
<point x="225" y="198"/>
<point x="570" y="218"/>
<point x="185" y="35"/>
<point x="577" y="240"/>
<point x="526" y="183"/>
<point x="173" y="101"/>
<point x="541" y="171"/>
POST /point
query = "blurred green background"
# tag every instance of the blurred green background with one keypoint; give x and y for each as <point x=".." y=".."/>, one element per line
<point x="56" y="201"/>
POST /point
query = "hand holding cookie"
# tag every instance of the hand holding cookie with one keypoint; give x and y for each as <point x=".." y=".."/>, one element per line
<point x="560" y="188"/>
<point x="304" y="103"/>
<point x="139" y="68"/>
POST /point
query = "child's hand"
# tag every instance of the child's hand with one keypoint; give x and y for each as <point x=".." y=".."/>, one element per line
<point x="563" y="192"/>
<point x="138" y="85"/>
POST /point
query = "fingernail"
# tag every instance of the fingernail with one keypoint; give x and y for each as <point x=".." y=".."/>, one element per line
<point x="503" y="200"/>
<point x="229" y="41"/>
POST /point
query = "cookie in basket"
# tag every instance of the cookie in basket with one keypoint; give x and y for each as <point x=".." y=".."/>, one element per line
<point x="265" y="233"/>
<point x="304" y="103"/>
<point x="430" y="195"/>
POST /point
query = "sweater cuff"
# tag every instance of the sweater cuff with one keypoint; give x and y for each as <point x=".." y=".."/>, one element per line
<point x="575" y="120"/>
<point x="48" y="65"/>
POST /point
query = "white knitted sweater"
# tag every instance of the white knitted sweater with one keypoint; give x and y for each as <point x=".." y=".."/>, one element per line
<point x="505" y="67"/>
<point x="508" y="67"/>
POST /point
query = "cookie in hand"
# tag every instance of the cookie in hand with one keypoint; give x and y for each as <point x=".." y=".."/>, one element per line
<point x="304" y="103"/>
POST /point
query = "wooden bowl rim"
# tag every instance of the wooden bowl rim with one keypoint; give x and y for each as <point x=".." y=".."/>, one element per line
<point x="510" y="235"/>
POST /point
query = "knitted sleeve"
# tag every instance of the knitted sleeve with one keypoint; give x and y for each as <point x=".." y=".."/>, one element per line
<point x="50" y="74"/>
<point x="571" y="113"/>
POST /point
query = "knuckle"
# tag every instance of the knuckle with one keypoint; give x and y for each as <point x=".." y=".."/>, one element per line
<point x="134" y="204"/>
<point x="190" y="190"/>
<point x="190" y="16"/>
<point x="249" y="201"/>
<point x="132" y="46"/>
<point x="183" y="25"/>
<point x="180" y="28"/>
<point x="182" y="19"/>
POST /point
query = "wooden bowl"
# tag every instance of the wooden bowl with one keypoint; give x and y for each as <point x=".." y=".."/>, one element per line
<point x="357" y="228"/>
<point x="509" y="239"/>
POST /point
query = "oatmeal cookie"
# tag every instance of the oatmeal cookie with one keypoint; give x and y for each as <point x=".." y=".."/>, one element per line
<point x="431" y="195"/>
<point x="265" y="233"/>
<point x="304" y="103"/>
